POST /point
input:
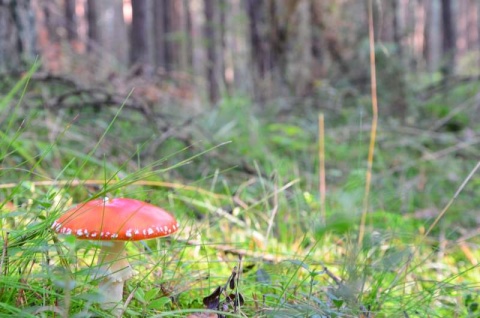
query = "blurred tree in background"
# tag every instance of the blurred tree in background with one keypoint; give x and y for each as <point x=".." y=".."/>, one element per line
<point x="17" y="35"/>
<point x="263" y="48"/>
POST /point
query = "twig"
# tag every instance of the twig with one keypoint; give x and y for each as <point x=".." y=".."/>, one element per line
<point x="236" y="196"/>
<point x="127" y="302"/>
<point x="271" y="258"/>
<point x="464" y="183"/>
<point x="238" y="304"/>
<point x="467" y="236"/>
<point x="460" y="108"/>
<point x="446" y="151"/>
<point x="339" y="283"/>
<point x="166" y="133"/>
<point x="78" y="95"/>
<point x="337" y="280"/>
<point x="272" y="214"/>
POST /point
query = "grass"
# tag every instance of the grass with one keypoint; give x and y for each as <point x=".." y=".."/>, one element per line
<point x="247" y="186"/>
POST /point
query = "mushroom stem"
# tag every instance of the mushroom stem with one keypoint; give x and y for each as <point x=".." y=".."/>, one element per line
<point x="115" y="270"/>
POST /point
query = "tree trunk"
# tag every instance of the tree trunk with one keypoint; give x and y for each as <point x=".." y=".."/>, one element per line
<point x="295" y="46"/>
<point x="107" y="34"/>
<point x="262" y="63"/>
<point x="213" y="65"/>
<point x="472" y="31"/>
<point x="160" y="53"/>
<point x="54" y="22"/>
<point x="139" y="34"/>
<point x="448" y="37"/>
<point x="433" y="36"/>
<point x="238" y="69"/>
<point x="400" y="103"/>
<point x="396" y="28"/>
<point x="93" y="30"/>
<point x="189" y="34"/>
<point x="222" y="47"/>
<point x="17" y="35"/>
<point x="259" y="42"/>
<point x="316" y="47"/>
<point x="71" y="20"/>
<point x="271" y="27"/>
<point x="166" y="20"/>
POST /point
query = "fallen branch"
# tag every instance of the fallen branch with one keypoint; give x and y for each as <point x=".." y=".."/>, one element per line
<point x="228" y="249"/>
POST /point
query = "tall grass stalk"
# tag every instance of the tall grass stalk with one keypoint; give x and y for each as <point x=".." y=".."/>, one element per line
<point x="373" y="130"/>
<point x="321" y="169"/>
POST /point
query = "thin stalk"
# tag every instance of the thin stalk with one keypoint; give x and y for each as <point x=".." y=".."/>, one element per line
<point x="460" y="188"/>
<point x="321" y="169"/>
<point x="4" y="259"/>
<point x="373" y="130"/>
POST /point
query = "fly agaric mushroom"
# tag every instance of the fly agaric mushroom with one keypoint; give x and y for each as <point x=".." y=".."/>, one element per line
<point x="115" y="220"/>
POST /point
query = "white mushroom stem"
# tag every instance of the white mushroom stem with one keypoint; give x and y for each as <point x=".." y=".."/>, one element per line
<point x="114" y="271"/>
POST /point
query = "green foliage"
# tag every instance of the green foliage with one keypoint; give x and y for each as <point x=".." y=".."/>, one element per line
<point x="248" y="186"/>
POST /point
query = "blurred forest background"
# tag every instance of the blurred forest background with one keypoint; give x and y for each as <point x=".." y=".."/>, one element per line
<point x="197" y="67"/>
<point x="263" y="48"/>
<point x="114" y="92"/>
<point x="258" y="73"/>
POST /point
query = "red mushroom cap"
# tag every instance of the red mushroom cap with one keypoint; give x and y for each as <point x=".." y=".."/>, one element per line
<point x="117" y="219"/>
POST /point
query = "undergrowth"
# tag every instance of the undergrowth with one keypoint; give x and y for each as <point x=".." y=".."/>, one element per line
<point x="245" y="191"/>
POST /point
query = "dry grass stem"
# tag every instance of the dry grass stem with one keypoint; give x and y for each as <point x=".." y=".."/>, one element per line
<point x="373" y="131"/>
<point x="321" y="168"/>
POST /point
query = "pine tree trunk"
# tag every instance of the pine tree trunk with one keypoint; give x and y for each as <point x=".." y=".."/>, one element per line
<point x="189" y="34"/>
<point x="107" y="33"/>
<point x="259" y="42"/>
<point x="17" y="35"/>
<point x="448" y="37"/>
<point x="93" y="31"/>
<point x="210" y="7"/>
<point x="433" y="36"/>
<point x="160" y="54"/>
<point x="165" y="15"/>
<point x="139" y="34"/>
<point x="71" y="20"/>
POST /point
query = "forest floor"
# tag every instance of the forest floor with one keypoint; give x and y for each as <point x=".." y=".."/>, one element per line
<point x="243" y="181"/>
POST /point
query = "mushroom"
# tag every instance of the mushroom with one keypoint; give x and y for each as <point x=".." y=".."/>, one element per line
<point x="115" y="220"/>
